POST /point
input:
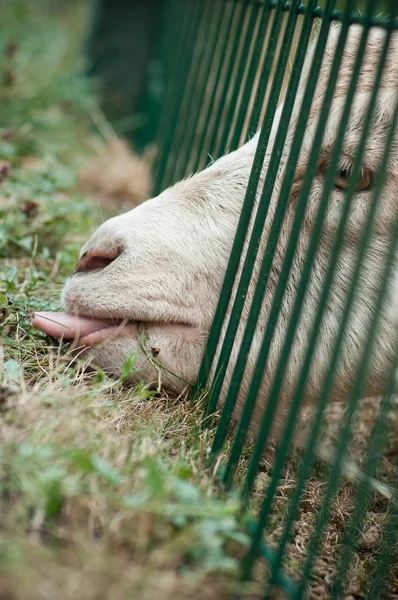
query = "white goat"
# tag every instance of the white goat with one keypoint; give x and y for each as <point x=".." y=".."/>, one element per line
<point x="158" y="269"/>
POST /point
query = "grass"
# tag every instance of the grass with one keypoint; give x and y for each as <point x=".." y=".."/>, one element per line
<point x="102" y="487"/>
<point x="104" y="490"/>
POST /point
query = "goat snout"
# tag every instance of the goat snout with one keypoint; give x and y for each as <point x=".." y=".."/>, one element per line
<point x="96" y="259"/>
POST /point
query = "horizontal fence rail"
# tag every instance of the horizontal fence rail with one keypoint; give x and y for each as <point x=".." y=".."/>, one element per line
<point x="315" y="249"/>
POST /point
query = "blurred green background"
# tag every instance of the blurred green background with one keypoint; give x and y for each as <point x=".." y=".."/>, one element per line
<point x="119" y="41"/>
<point x="122" y="50"/>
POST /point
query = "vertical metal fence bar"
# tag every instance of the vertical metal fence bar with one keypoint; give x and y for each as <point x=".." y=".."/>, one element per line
<point x="175" y="49"/>
<point x="273" y="237"/>
<point x="386" y="556"/>
<point x="276" y="304"/>
<point x="186" y="151"/>
<point x="211" y="147"/>
<point x="287" y="433"/>
<point x="186" y="129"/>
<point x="258" y="103"/>
<point x="159" y="72"/>
<point x="328" y="280"/>
<point x="217" y="82"/>
<point x="364" y="488"/>
<point x="172" y="60"/>
<point x="253" y="68"/>
<point x="244" y="219"/>
<point x="186" y="57"/>
<point x="244" y="57"/>
<point x="267" y="190"/>
<point x="193" y="81"/>
<point x="170" y="24"/>
<point x="351" y="405"/>
<point x="300" y="387"/>
<point x="379" y="431"/>
<point x="248" y="205"/>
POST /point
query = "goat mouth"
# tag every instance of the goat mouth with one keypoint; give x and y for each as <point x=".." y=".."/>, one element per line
<point x="89" y="331"/>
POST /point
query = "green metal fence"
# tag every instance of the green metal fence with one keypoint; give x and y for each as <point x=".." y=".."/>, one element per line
<point x="119" y="53"/>
<point x="229" y="64"/>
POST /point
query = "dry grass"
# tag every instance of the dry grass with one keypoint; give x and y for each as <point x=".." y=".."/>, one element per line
<point x="117" y="176"/>
<point x="104" y="490"/>
<point x="366" y="539"/>
<point x="104" y="493"/>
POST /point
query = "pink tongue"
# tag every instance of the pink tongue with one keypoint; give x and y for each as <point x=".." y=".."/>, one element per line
<point x="61" y="324"/>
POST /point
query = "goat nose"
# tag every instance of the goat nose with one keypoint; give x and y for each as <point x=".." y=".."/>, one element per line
<point x="96" y="259"/>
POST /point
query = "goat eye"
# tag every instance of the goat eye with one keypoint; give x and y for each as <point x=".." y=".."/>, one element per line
<point x="364" y="183"/>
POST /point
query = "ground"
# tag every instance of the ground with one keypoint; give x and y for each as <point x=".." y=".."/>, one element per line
<point x="104" y="488"/>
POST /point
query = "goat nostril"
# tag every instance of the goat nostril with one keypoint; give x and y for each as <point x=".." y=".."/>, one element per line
<point x="96" y="259"/>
